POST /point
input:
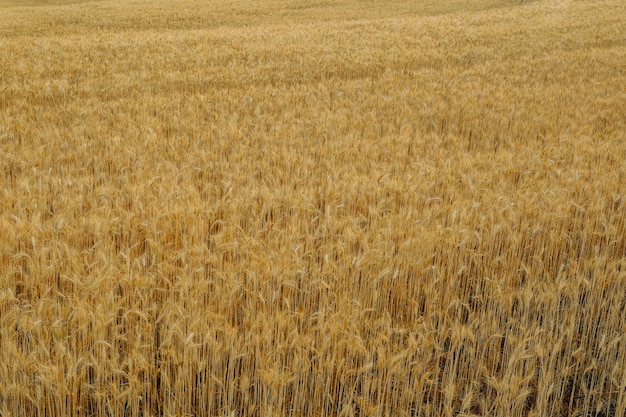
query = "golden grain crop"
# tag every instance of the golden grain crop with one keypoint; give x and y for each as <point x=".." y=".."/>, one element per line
<point x="313" y="208"/>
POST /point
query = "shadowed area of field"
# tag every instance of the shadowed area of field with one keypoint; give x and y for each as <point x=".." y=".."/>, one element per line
<point x="83" y="17"/>
<point x="42" y="3"/>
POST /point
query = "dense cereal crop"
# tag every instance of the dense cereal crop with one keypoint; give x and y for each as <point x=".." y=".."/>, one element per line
<point x="313" y="208"/>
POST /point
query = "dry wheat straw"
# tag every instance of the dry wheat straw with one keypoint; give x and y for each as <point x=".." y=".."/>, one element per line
<point x="313" y="209"/>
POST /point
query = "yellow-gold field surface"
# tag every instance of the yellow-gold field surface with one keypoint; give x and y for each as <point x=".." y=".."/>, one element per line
<point x="313" y="208"/>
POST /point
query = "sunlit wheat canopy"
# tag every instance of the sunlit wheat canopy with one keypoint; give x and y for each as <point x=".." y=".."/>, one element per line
<point x="342" y="208"/>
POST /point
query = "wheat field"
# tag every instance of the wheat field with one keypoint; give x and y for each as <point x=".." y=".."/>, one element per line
<point x="313" y="208"/>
